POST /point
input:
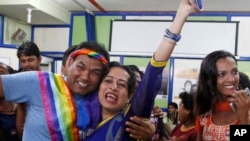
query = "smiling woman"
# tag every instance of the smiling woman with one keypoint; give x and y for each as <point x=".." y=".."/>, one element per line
<point x="116" y="89"/>
<point x="118" y="84"/>
<point x="218" y="87"/>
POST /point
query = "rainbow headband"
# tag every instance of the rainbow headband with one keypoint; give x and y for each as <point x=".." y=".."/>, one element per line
<point x="90" y="53"/>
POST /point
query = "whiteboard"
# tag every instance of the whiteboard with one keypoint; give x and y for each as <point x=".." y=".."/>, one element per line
<point x="198" y="38"/>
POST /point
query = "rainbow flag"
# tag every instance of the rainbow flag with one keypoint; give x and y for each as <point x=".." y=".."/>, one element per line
<point x="59" y="107"/>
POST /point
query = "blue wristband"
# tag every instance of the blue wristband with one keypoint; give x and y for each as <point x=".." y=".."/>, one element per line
<point x="172" y="36"/>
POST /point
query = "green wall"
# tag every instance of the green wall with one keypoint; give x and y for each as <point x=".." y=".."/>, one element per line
<point x="79" y="33"/>
<point x="102" y="25"/>
<point x="244" y="66"/>
<point x="207" y="18"/>
<point x="139" y="61"/>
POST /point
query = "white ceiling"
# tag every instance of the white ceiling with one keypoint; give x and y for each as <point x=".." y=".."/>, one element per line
<point x="153" y="5"/>
<point x="58" y="11"/>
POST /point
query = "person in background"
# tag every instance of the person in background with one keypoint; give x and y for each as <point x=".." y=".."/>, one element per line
<point x="38" y="89"/>
<point x="116" y="88"/>
<point x="244" y="81"/>
<point x="29" y="56"/>
<point x="30" y="59"/>
<point x="187" y="86"/>
<point x="8" y="113"/>
<point x="185" y="129"/>
<point x="217" y="87"/>
<point x="171" y="119"/>
<point x="138" y="73"/>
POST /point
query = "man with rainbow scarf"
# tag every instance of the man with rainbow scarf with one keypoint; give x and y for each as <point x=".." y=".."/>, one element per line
<point x="52" y="101"/>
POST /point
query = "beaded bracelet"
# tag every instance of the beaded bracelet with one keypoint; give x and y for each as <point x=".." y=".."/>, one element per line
<point x="172" y="36"/>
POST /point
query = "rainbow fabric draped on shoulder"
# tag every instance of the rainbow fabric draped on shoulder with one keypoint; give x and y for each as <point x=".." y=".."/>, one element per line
<point x="60" y="111"/>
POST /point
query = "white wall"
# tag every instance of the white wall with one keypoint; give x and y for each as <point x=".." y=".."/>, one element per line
<point x="9" y="54"/>
<point x="10" y="27"/>
<point x="52" y="39"/>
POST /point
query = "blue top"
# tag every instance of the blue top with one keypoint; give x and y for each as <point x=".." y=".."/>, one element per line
<point x="141" y="105"/>
<point x="24" y="88"/>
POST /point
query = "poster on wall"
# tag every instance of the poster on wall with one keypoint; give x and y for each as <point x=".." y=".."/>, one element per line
<point x="185" y="76"/>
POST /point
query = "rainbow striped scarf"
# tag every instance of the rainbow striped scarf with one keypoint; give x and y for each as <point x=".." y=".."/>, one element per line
<point x="59" y="107"/>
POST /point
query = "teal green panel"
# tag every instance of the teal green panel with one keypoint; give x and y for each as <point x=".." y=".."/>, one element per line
<point x="244" y="66"/>
<point x="79" y="33"/>
<point x="139" y="61"/>
<point x="161" y="101"/>
<point x="207" y="18"/>
<point x="102" y="25"/>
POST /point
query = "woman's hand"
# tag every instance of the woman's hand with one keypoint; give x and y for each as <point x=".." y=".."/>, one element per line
<point x="157" y="112"/>
<point x="190" y="6"/>
<point x="140" y="128"/>
<point x="242" y="103"/>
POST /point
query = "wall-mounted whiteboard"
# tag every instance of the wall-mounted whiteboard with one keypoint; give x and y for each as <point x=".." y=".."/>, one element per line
<point x="198" y="38"/>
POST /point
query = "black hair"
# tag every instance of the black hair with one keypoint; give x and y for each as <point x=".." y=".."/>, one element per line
<point x="175" y="105"/>
<point x="207" y="81"/>
<point x="136" y="68"/>
<point x="9" y="68"/>
<point x="187" y="100"/>
<point x="67" y="53"/>
<point x="244" y="81"/>
<point x="161" y="130"/>
<point x="28" y="48"/>
<point x="188" y="104"/>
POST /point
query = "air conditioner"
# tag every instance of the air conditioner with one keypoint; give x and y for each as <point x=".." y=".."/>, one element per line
<point x="19" y="35"/>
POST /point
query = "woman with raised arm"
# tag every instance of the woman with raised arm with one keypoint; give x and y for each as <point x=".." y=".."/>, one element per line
<point x="117" y="87"/>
